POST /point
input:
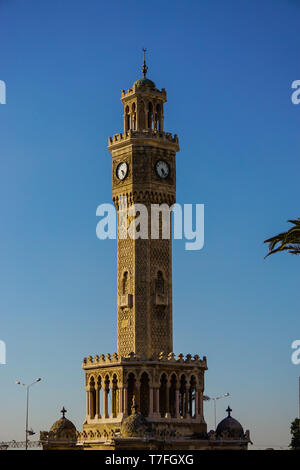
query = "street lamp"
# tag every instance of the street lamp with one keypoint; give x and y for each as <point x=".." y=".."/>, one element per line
<point x="27" y="432"/>
<point x="206" y="398"/>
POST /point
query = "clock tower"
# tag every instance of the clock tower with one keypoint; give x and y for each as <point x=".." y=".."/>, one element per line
<point x="144" y="172"/>
<point x="144" y="392"/>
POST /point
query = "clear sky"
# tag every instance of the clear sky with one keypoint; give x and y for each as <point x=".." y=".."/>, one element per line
<point x="227" y="68"/>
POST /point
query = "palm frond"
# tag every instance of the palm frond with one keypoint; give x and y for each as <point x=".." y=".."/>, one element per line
<point x="286" y="241"/>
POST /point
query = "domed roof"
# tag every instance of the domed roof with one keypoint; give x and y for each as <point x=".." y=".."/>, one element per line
<point x="135" y="425"/>
<point x="63" y="428"/>
<point x="144" y="82"/>
<point x="230" y="427"/>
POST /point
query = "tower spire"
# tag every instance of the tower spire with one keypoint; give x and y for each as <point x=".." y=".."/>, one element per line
<point x="145" y="68"/>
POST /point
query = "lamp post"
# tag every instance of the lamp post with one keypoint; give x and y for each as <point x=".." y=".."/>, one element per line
<point x="206" y="398"/>
<point x="27" y="404"/>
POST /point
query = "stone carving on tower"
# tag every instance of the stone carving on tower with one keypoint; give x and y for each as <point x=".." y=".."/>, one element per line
<point x="144" y="379"/>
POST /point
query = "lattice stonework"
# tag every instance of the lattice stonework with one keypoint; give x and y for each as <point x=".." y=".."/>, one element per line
<point x="144" y="397"/>
<point x="144" y="277"/>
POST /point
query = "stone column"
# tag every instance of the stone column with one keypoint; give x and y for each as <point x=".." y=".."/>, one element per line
<point x="177" y="403"/>
<point x="91" y="403"/>
<point x="167" y="415"/>
<point x="138" y="395"/>
<point x="201" y="406"/>
<point x="197" y="404"/>
<point x="190" y="407"/>
<point x="186" y="403"/>
<point x="157" y="413"/>
<point x="125" y="392"/>
<point x="113" y="401"/>
<point x="120" y="407"/>
<point x="150" y="402"/>
<point x="105" y="403"/>
<point x="97" y="411"/>
<point x="146" y="105"/>
<point x="87" y="403"/>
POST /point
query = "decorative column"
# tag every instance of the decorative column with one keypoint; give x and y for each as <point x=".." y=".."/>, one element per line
<point x="113" y="401"/>
<point x="196" y="403"/>
<point x="186" y="403"/>
<point x="105" y="403"/>
<point x="97" y="391"/>
<point x="146" y="106"/>
<point x="150" y="402"/>
<point x="177" y="403"/>
<point x="120" y="400"/>
<point x="138" y="395"/>
<point x="87" y="403"/>
<point x="156" y="413"/>
<point x="167" y="415"/>
<point x="125" y="392"/>
<point x="201" y="406"/>
<point x="190" y="407"/>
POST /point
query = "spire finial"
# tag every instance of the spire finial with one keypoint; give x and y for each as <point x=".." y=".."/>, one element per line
<point x="145" y="68"/>
<point x="63" y="411"/>
<point x="229" y="410"/>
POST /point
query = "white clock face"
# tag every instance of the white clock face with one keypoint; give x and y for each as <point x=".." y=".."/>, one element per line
<point x="162" y="169"/>
<point x="122" y="170"/>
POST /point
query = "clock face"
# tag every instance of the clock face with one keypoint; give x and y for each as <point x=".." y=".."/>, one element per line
<point x="162" y="169"/>
<point x="122" y="170"/>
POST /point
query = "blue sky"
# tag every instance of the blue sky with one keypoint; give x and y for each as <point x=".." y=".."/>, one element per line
<point x="227" y="68"/>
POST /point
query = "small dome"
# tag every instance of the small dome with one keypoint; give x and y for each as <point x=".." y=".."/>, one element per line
<point x="144" y="82"/>
<point x="135" y="425"/>
<point x="230" y="427"/>
<point x="63" y="428"/>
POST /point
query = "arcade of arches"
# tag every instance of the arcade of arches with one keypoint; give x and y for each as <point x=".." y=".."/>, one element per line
<point x="175" y="395"/>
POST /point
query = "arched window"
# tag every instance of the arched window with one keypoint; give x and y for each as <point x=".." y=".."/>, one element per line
<point x="163" y="396"/>
<point x="107" y="401"/>
<point x="127" y="119"/>
<point x="192" y="397"/>
<point x="158" y="117"/>
<point x="92" y="398"/>
<point x="130" y="391"/>
<point x="150" y="116"/>
<point x="125" y="283"/>
<point x="144" y="394"/>
<point x="114" y="402"/>
<point x="182" y="397"/>
<point x="172" y="399"/>
<point x="141" y="111"/>
<point x="133" y="120"/>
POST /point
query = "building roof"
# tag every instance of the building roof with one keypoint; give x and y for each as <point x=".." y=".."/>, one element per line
<point x="230" y="426"/>
<point x="144" y="82"/>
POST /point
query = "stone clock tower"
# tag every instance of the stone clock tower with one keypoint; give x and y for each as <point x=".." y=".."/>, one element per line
<point x="144" y="172"/>
<point x="144" y="396"/>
